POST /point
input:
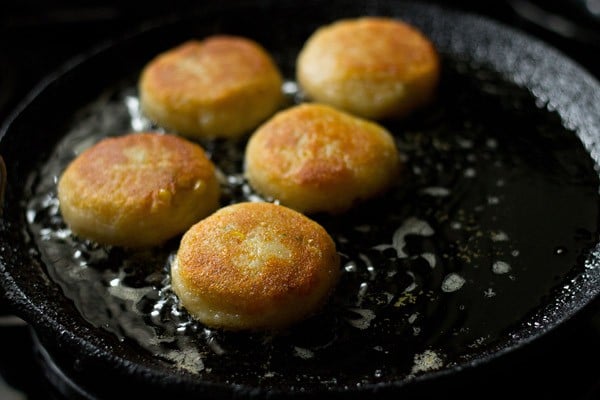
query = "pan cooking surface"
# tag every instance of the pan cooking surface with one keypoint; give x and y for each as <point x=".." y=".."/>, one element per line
<point x="495" y="214"/>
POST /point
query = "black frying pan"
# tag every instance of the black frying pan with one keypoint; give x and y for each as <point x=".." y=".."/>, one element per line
<point x="495" y="223"/>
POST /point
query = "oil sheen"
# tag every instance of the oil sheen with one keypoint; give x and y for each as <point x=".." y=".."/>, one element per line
<point x="496" y="210"/>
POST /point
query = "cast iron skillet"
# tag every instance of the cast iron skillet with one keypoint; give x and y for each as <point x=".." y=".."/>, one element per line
<point x="503" y="210"/>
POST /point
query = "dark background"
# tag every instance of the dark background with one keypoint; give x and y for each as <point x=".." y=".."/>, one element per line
<point x="38" y="36"/>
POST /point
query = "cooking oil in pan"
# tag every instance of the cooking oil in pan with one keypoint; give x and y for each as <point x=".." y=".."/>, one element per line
<point x="495" y="211"/>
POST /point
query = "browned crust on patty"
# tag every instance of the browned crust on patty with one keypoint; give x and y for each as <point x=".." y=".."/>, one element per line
<point x="194" y="87"/>
<point x="257" y="259"/>
<point x="375" y="67"/>
<point x="126" y="183"/>
<point x="315" y="158"/>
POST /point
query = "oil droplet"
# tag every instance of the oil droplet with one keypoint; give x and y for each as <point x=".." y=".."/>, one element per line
<point x="350" y="266"/>
<point x="370" y="267"/>
<point x="436" y="191"/>
<point x="499" y="236"/>
<point x="181" y="329"/>
<point x="303" y="353"/>
<point x="413" y="318"/>
<point x="491" y="143"/>
<point x="470" y="173"/>
<point x="430" y="258"/>
<point x="500" y="267"/>
<point x="362" y="291"/>
<point x="492" y="200"/>
<point x="452" y="282"/>
<point x="412" y="226"/>
<point x="290" y="87"/>
<point x="465" y="143"/>
<point x="560" y="251"/>
<point x="215" y="346"/>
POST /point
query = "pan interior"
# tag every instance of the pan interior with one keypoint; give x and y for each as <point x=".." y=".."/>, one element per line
<point x="447" y="267"/>
<point x="489" y="240"/>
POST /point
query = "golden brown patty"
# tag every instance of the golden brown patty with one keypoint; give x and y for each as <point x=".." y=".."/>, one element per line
<point x="314" y="158"/>
<point x="254" y="266"/>
<point x="372" y="67"/>
<point x="222" y="86"/>
<point x="137" y="190"/>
